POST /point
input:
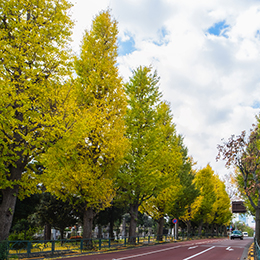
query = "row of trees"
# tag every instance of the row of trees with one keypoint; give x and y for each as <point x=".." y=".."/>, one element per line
<point x="208" y="213"/>
<point x="70" y="127"/>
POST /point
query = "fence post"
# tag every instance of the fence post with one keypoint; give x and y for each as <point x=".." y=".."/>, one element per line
<point x="81" y="245"/>
<point x="99" y="243"/>
<point x="125" y="241"/>
<point x="28" y="248"/>
<point x="52" y="247"/>
<point x="109" y="243"/>
<point x="148" y="239"/>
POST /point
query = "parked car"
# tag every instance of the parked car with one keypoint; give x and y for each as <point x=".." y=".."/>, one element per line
<point x="236" y="234"/>
<point x="245" y="234"/>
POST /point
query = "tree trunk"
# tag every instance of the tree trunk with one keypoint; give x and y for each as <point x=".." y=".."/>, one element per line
<point x="7" y="208"/>
<point x="111" y="225"/>
<point x="9" y="197"/>
<point x="124" y="228"/>
<point x="188" y="227"/>
<point x="99" y="231"/>
<point x="222" y="230"/>
<point x="47" y="232"/>
<point x="177" y="230"/>
<point x="212" y="229"/>
<point x="62" y="233"/>
<point x="207" y="228"/>
<point x="133" y="222"/>
<point x="88" y="223"/>
<point x="111" y="230"/>
<point x="225" y="230"/>
<point x="160" y="228"/>
<point x="217" y="229"/>
<point x="200" y="227"/>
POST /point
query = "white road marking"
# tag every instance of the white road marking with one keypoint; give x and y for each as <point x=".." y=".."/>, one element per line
<point x="229" y="248"/>
<point x="204" y="242"/>
<point x="148" y="253"/>
<point x="199" y="253"/>
<point x="192" y="247"/>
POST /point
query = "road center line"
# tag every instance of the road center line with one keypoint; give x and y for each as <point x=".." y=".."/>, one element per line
<point x="199" y="253"/>
<point x="153" y="252"/>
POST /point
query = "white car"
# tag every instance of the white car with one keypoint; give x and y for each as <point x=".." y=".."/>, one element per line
<point x="245" y="234"/>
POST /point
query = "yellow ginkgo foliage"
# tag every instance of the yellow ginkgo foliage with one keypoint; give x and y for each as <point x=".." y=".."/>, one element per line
<point x="85" y="163"/>
<point x="36" y="104"/>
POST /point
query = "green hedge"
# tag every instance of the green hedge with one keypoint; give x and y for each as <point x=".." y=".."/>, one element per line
<point x="3" y="250"/>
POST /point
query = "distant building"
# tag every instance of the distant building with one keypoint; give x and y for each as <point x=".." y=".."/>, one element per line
<point x="244" y="218"/>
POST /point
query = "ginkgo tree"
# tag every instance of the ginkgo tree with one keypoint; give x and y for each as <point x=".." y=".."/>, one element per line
<point x="222" y="205"/>
<point x="158" y="206"/>
<point x="161" y="202"/>
<point x="83" y="164"/>
<point x="211" y="205"/>
<point x="186" y="196"/>
<point x="143" y="173"/>
<point x="203" y="204"/>
<point x="37" y="104"/>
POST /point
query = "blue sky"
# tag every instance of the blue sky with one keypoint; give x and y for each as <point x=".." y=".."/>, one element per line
<point x="219" y="28"/>
<point x="126" y="47"/>
<point x="207" y="54"/>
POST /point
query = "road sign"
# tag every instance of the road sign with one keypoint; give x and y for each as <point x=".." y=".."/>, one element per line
<point x="174" y="221"/>
<point x="238" y="207"/>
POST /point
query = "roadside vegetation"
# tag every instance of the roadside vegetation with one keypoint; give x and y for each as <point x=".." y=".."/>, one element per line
<point x="82" y="147"/>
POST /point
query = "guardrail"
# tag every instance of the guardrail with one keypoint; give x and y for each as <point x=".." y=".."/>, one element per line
<point x="43" y="248"/>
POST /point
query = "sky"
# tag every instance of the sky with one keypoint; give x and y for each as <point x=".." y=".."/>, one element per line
<point x="207" y="54"/>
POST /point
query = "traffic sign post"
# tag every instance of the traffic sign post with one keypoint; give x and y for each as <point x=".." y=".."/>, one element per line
<point x="175" y="221"/>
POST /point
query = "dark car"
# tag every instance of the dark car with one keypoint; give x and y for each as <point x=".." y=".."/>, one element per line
<point x="236" y="234"/>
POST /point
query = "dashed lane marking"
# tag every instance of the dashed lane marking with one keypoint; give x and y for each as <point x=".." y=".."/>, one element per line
<point x="199" y="253"/>
<point x="148" y="253"/>
<point x="192" y="247"/>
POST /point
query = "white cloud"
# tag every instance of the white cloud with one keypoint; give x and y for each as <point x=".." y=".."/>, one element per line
<point x="212" y="82"/>
<point x="143" y="18"/>
<point x="247" y="23"/>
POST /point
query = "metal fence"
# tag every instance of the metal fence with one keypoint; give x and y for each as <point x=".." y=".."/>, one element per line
<point x="256" y="250"/>
<point x="43" y="248"/>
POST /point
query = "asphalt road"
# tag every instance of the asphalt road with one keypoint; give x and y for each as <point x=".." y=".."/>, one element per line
<point x="205" y="249"/>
